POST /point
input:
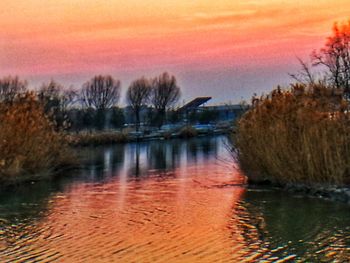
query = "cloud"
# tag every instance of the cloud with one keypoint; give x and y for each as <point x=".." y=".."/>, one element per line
<point x="202" y="16"/>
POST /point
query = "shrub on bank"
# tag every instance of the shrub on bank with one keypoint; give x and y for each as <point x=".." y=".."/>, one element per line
<point x="301" y="135"/>
<point x="96" y="138"/>
<point x="167" y="135"/>
<point x="188" y="132"/>
<point x="29" y="146"/>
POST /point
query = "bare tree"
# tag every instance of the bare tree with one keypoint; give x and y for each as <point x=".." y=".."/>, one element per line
<point x="10" y="87"/>
<point x="50" y="91"/>
<point x="138" y="95"/>
<point x="53" y="91"/>
<point x="335" y="57"/>
<point x="70" y="97"/>
<point x="304" y="75"/>
<point x="101" y="92"/>
<point x="56" y="100"/>
<point x="165" y="93"/>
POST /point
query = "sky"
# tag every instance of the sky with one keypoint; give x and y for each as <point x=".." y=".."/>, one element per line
<point x="227" y="49"/>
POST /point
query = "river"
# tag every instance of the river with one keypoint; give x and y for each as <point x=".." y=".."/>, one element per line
<point x="166" y="201"/>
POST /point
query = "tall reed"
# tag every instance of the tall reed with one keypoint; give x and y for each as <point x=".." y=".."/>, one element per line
<point x="29" y="145"/>
<point x="300" y="135"/>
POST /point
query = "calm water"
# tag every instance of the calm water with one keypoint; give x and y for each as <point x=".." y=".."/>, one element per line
<point x="171" y="201"/>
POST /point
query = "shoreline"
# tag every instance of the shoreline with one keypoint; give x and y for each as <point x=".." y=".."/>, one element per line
<point x="91" y="139"/>
<point x="326" y="192"/>
<point x="332" y="193"/>
<point x="28" y="178"/>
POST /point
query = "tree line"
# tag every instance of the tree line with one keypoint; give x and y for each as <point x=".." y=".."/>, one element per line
<point x="97" y="100"/>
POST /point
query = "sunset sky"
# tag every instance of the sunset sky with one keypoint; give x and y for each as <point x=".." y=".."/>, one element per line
<point x="227" y="49"/>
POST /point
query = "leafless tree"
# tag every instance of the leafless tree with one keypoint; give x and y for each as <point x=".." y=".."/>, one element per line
<point x="138" y="95"/>
<point x="70" y="97"/>
<point x="165" y="93"/>
<point x="304" y="75"/>
<point x="335" y="57"/>
<point x="56" y="100"/>
<point x="54" y="91"/>
<point x="101" y="92"/>
<point x="50" y="91"/>
<point x="10" y="87"/>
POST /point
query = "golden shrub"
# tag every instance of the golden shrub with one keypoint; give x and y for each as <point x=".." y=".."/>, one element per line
<point x="300" y="135"/>
<point x="29" y="146"/>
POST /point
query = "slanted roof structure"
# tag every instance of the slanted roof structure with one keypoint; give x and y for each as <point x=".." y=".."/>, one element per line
<point x="193" y="104"/>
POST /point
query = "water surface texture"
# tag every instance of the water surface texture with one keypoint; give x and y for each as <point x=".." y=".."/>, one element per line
<point x="169" y="201"/>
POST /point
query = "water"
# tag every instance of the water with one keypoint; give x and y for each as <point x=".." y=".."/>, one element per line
<point x="171" y="201"/>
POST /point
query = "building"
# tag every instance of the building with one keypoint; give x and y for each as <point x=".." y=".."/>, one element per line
<point x="195" y="111"/>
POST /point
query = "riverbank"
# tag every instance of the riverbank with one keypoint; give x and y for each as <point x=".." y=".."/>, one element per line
<point x="298" y="139"/>
<point x="333" y="192"/>
<point x="65" y="159"/>
<point x="328" y="192"/>
<point x="297" y="136"/>
<point x="117" y="137"/>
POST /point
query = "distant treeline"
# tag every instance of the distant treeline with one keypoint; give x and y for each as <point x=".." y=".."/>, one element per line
<point x="95" y="105"/>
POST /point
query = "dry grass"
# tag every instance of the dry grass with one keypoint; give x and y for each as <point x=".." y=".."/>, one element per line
<point x="297" y="136"/>
<point x="29" y="146"/>
<point x="97" y="138"/>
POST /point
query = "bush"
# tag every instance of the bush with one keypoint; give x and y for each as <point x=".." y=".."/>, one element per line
<point x="301" y="135"/>
<point x="167" y="135"/>
<point x="188" y="132"/>
<point x="29" y="145"/>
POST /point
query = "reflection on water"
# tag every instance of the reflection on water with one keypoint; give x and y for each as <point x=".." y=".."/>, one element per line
<point x="175" y="201"/>
<point x="303" y="229"/>
<point x="141" y="159"/>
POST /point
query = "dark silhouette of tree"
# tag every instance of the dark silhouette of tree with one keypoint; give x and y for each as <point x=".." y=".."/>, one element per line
<point x="69" y="98"/>
<point x="57" y="100"/>
<point x="335" y="57"/>
<point x="174" y="116"/>
<point x="76" y="119"/>
<point x="49" y="96"/>
<point x="101" y="92"/>
<point x="10" y="87"/>
<point x="117" y="118"/>
<point x="88" y="117"/>
<point x="165" y="93"/>
<point x="100" y="122"/>
<point x="137" y="96"/>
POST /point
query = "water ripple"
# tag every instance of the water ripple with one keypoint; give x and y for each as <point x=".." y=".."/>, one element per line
<point x="193" y="213"/>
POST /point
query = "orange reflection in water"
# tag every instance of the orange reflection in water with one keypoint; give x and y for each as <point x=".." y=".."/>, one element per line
<point x="184" y="216"/>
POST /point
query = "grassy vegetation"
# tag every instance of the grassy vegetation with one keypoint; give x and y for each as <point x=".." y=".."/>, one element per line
<point x="96" y="138"/>
<point x="297" y="136"/>
<point x="30" y="148"/>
